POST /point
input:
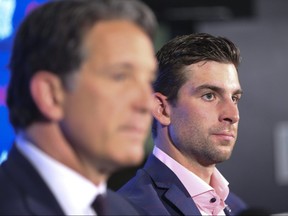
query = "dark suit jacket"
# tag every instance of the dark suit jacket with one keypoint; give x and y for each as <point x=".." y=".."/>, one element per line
<point x="23" y="191"/>
<point x="156" y="190"/>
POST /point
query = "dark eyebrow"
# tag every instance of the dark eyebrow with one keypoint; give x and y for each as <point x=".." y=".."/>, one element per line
<point x="129" y="66"/>
<point x="124" y="65"/>
<point x="216" y="89"/>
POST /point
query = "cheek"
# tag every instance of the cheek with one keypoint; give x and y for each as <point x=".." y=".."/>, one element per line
<point x="188" y="121"/>
<point x="189" y="116"/>
<point x="87" y="114"/>
<point x="100" y="104"/>
<point x="204" y="115"/>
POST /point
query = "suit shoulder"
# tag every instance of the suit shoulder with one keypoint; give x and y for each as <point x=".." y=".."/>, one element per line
<point x="139" y="182"/>
<point x="118" y="205"/>
<point x="11" y="199"/>
<point x="143" y="193"/>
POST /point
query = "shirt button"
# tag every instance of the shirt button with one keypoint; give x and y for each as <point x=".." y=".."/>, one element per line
<point x="212" y="200"/>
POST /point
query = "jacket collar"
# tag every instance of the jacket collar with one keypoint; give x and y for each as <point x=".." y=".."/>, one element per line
<point x="39" y="199"/>
<point x="175" y="193"/>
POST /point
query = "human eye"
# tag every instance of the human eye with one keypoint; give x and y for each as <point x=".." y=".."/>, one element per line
<point x="236" y="98"/>
<point x="209" y="96"/>
<point x="120" y="75"/>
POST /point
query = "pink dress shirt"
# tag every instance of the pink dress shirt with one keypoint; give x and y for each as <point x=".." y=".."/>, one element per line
<point x="208" y="198"/>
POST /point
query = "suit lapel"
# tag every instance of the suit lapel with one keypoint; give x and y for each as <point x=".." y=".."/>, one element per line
<point x="184" y="203"/>
<point x="227" y="211"/>
<point x="176" y="194"/>
<point x="39" y="199"/>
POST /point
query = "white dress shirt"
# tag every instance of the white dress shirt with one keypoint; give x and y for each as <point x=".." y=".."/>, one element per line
<point x="73" y="192"/>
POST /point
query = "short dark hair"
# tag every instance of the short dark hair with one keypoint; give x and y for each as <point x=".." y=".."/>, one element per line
<point x="51" y="39"/>
<point x="185" y="50"/>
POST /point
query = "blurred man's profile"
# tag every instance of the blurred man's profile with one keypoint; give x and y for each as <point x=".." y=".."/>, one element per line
<point x="79" y="99"/>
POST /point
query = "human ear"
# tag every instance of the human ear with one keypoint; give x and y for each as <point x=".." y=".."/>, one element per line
<point x="48" y="94"/>
<point x="161" y="109"/>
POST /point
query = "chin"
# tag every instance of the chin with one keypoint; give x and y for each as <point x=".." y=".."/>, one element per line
<point x="222" y="158"/>
<point x="133" y="158"/>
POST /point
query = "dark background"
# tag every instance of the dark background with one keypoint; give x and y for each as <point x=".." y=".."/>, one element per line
<point x="257" y="170"/>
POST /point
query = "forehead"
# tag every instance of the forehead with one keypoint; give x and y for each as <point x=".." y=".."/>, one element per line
<point x="223" y="75"/>
<point x="118" y="40"/>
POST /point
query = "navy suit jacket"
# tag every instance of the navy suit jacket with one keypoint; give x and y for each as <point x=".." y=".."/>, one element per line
<point x="156" y="190"/>
<point x="23" y="191"/>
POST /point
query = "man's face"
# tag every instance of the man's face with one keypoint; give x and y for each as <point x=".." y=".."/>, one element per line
<point x="204" y="120"/>
<point x="107" y="112"/>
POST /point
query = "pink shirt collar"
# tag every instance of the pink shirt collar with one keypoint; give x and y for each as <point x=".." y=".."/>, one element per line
<point x="203" y="193"/>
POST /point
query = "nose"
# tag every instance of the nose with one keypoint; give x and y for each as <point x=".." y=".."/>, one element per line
<point x="143" y="99"/>
<point x="229" y="112"/>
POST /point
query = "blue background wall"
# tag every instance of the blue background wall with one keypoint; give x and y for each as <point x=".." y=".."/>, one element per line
<point x="11" y="14"/>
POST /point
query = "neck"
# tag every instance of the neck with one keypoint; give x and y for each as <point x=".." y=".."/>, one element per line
<point x="48" y="138"/>
<point x="188" y="161"/>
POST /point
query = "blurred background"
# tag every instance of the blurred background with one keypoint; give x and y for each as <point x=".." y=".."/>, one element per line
<point x="258" y="168"/>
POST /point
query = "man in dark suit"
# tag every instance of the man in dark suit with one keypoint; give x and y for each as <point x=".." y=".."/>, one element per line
<point x="195" y="127"/>
<point x="80" y="100"/>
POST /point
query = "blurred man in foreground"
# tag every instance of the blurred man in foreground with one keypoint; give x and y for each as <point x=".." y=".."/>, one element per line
<point x="80" y="98"/>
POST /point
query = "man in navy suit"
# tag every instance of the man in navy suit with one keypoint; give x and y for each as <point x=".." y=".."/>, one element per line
<point x="80" y="100"/>
<point x="195" y="127"/>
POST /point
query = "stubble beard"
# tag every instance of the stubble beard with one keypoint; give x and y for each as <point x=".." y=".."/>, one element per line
<point x="206" y="151"/>
<point x="196" y="146"/>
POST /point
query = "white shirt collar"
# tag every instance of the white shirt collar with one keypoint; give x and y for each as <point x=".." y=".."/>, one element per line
<point x="73" y="192"/>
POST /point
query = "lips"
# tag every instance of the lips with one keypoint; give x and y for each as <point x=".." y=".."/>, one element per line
<point x="134" y="130"/>
<point x="225" y="134"/>
<point x="137" y="130"/>
<point x="136" y="127"/>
